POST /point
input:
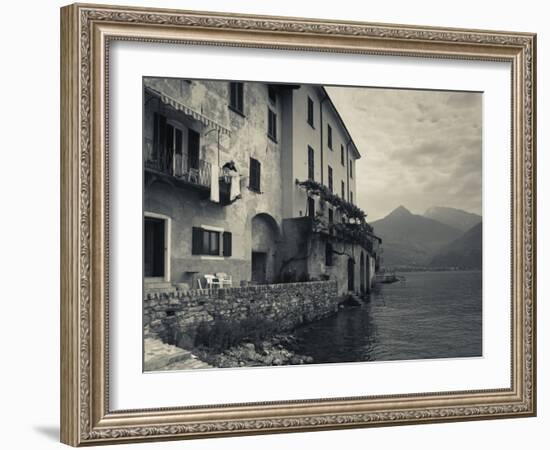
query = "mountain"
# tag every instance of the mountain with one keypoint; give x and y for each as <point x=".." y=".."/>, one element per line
<point x="464" y="252"/>
<point x="410" y="239"/>
<point x="453" y="217"/>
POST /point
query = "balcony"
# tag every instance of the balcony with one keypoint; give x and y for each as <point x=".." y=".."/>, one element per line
<point x="186" y="172"/>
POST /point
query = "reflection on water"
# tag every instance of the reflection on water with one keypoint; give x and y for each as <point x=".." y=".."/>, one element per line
<point x="430" y="315"/>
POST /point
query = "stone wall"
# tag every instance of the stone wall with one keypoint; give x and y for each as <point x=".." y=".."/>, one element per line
<point x="173" y="315"/>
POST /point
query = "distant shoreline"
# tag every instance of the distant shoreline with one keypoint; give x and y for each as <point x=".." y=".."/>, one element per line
<point x="433" y="269"/>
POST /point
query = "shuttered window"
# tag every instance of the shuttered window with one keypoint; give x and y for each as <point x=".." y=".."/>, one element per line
<point x="207" y="242"/>
<point x="330" y="181"/>
<point x="329" y="136"/>
<point x="236" y="97"/>
<point x="310" y="111"/>
<point x="271" y="125"/>
<point x="272" y="94"/>
<point x="310" y="163"/>
<point x="342" y="157"/>
<point x="159" y="136"/>
<point x="255" y="175"/>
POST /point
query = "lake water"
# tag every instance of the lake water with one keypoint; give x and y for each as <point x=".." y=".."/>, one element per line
<point x="430" y="315"/>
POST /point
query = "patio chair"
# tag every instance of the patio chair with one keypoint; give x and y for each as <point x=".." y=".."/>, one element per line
<point x="224" y="279"/>
<point x="212" y="281"/>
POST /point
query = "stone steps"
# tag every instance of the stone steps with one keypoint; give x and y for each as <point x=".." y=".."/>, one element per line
<point x="158" y="355"/>
<point x="161" y="356"/>
<point x="191" y="363"/>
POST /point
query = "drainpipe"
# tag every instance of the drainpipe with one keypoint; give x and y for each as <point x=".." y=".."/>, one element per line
<point x="321" y="126"/>
<point x="347" y="165"/>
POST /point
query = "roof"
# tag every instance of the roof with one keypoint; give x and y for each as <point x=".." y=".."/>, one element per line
<point x="353" y="146"/>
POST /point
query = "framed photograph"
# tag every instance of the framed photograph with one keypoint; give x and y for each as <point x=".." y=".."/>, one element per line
<point x="276" y="224"/>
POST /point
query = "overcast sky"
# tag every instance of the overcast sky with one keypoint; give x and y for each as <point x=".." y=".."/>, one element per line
<point x="418" y="148"/>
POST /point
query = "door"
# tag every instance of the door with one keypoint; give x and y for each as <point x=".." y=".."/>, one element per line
<point x="351" y="277"/>
<point x="259" y="266"/>
<point x="154" y="247"/>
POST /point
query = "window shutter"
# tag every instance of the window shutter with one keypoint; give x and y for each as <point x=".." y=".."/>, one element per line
<point x="159" y="134"/>
<point x="258" y="175"/>
<point x="197" y="241"/>
<point x="255" y="174"/>
<point x="227" y="243"/>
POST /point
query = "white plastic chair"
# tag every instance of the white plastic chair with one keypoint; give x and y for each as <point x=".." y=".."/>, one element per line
<point x="211" y="281"/>
<point x="224" y="279"/>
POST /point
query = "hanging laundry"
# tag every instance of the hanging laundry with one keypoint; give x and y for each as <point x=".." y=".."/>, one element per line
<point x="214" y="183"/>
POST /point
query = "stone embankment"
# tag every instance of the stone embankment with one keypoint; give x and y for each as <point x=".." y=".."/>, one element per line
<point x="174" y="316"/>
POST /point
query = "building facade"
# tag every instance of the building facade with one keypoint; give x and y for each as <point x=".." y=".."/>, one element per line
<point x="255" y="181"/>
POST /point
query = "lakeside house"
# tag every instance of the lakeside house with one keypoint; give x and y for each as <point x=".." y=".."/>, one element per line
<point x="254" y="181"/>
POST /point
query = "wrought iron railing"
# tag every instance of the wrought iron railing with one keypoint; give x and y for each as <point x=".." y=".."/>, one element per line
<point x="180" y="165"/>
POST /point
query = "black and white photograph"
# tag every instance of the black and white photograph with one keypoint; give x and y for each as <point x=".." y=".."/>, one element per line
<point x="288" y="224"/>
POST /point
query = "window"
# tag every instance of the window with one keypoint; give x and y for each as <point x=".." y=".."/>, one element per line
<point x="330" y="185"/>
<point x="350" y="168"/>
<point x="271" y="125"/>
<point x="310" y="111"/>
<point x="236" y="97"/>
<point x="207" y="242"/>
<point x="311" y="207"/>
<point x="271" y="94"/>
<point x="310" y="163"/>
<point x="342" y="157"/>
<point x="343" y="191"/>
<point x="328" y="254"/>
<point x="255" y="175"/>
<point x="329" y="136"/>
<point x="350" y="197"/>
<point x="167" y="144"/>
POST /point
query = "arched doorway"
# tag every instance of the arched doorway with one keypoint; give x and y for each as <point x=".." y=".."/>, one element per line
<point x="362" y="273"/>
<point x="351" y="275"/>
<point x="265" y="235"/>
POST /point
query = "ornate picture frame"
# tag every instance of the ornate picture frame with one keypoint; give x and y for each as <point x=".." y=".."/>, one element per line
<point x="87" y="32"/>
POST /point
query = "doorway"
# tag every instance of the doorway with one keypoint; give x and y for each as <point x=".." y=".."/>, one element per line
<point x="259" y="266"/>
<point x="351" y="275"/>
<point x="154" y="247"/>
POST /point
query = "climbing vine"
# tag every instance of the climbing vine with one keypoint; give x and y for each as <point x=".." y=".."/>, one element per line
<point x="348" y="209"/>
<point x="354" y="228"/>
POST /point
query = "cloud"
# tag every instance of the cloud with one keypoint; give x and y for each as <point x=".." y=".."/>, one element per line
<point x="420" y="148"/>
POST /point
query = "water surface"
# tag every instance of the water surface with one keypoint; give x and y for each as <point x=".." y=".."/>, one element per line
<point x="430" y="315"/>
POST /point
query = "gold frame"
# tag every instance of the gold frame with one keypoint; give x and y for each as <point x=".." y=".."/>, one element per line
<point x="86" y="31"/>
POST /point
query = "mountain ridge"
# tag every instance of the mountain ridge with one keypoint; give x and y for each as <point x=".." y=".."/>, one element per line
<point x="411" y="239"/>
<point x="415" y="240"/>
<point x="457" y="218"/>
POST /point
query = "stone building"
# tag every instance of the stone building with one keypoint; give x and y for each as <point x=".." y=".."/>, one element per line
<point x="253" y="180"/>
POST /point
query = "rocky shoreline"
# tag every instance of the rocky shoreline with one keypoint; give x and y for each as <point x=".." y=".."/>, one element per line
<point x="275" y="351"/>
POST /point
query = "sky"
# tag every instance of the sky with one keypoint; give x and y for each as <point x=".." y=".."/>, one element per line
<point x="418" y="148"/>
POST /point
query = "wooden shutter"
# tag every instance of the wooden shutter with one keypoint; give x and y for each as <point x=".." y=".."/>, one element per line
<point x="227" y="243"/>
<point x="159" y="135"/>
<point x="258" y="176"/>
<point x="255" y="174"/>
<point x="197" y="241"/>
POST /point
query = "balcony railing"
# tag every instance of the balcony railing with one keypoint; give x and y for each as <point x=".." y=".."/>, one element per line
<point x="181" y="166"/>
